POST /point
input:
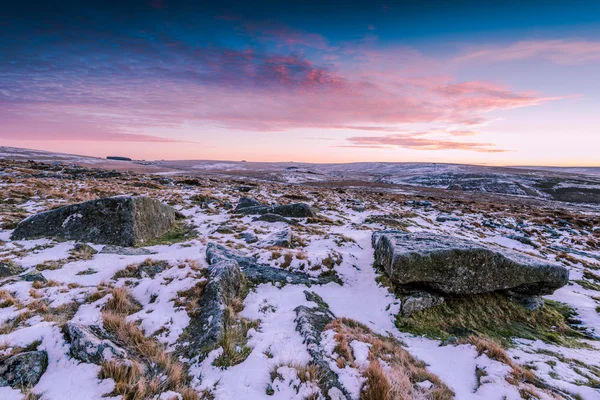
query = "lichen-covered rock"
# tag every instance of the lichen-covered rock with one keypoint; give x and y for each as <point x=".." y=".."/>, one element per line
<point x="126" y="251"/>
<point x="9" y="268"/>
<point x="23" y="370"/>
<point x="273" y="218"/>
<point x="225" y="282"/>
<point x="457" y="266"/>
<point x="296" y="210"/>
<point x="282" y="238"/>
<point x="34" y="276"/>
<point x="83" y="248"/>
<point x="120" y="220"/>
<point x="262" y="273"/>
<point x="310" y="323"/>
<point x="249" y="237"/>
<point x="420" y="301"/>
<point x="88" y="345"/>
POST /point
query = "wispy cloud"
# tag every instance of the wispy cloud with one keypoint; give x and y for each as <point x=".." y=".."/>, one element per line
<point x="412" y="141"/>
<point x="559" y="51"/>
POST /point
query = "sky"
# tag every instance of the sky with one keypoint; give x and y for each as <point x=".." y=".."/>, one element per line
<point x="480" y="82"/>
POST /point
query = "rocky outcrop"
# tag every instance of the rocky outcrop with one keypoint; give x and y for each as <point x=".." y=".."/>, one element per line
<point x="296" y="210"/>
<point x="457" y="266"/>
<point x="282" y="238"/>
<point x="34" y="276"/>
<point x="225" y="282"/>
<point x="310" y="323"/>
<point x="88" y="344"/>
<point x="120" y="220"/>
<point x="9" y="268"/>
<point x="23" y="370"/>
<point x="262" y="273"/>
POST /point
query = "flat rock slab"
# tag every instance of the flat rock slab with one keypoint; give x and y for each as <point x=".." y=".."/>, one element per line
<point x="120" y="220"/>
<point x="9" y="268"/>
<point x="453" y="265"/>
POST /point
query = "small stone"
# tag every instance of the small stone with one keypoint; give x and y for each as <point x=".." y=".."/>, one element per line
<point x="269" y="390"/>
<point x="249" y="237"/>
<point x="281" y="238"/>
<point x="34" y="277"/>
<point x="9" y="268"/>
<point x="126" y="251"/>
<point x="420" y="301"/>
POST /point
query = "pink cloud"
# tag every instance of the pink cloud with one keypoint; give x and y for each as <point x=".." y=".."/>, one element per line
<point x="409" y="141"/>
<point x="559" y="51"/>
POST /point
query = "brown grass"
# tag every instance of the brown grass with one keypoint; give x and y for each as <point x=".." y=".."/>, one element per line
<point x="405" y="370"/>
<point x="122" y="302"/>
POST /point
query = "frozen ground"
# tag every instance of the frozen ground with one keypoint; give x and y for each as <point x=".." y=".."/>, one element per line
<point x="339" y="243"/>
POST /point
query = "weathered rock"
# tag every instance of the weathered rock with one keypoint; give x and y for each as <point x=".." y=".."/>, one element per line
<point x="83" y="248"/>
<point x="9" y="268"/>
<point x="446" y="218"/>
<point x="262" y="273"/>
<point x="282" y="238"/>
<point x="246" y="202"/>
<point x="126" y="251"/>
<point x="419" y="301"/>
<point x="249" y="237"/>
<point x="226" y="282"/>
<point x="296" y="210"/>
<point x="88" y="344"/>
<point x="23" y="370"/>
<point x="310" y="323"/>
<point x="120" y="220"/>
<point x="273" y="218"/>
<point x="457" y="266"/>
<point x="34" y="276"/>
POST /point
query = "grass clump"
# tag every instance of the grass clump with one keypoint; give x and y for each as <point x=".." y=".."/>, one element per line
<point x="495" y="316"/>
<point x="234" y="338"/>
<point x="398" y="380"/>
<point x="122" y="302"/>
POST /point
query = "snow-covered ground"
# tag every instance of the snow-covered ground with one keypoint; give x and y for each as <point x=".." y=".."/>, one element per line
<point x="344" y="235"/>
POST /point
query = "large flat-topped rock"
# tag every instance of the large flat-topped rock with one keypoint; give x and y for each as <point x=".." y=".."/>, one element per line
<point x="120" y="220"/>
<point x="457" y="266"/>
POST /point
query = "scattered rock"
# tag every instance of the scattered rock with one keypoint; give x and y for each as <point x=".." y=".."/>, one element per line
<point x="281" y="238"/>
<point x="88" y="344"/>
<point x="262" y="273"/>
<point x="245" y="189"/>
<point x="446" y="218"/>
<point x="120" y="220"/>
<point x="226" y="282"/>
<point x="9" y="268"/>
<point x="224" y="229"/>
<point x="457" y="266"/>
<point x="296" y="210"/>
<point x="34" y="276"/>
<point x="419" y="301"/>
<point x="529" y="302"/>
<point x="249" y="237"/>
<point x="273" y="218"/>
<point x="523" y="239"/>
<point x="126" y="251"/>
<point x="310" y="323"/>
<point x="84" y="248"/>
<point x="23" y="370"/>
<point x="246" y="202"/>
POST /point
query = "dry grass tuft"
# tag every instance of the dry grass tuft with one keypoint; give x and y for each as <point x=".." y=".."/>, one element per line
<point x="122" y="302"/>
<point x="399" y="382"/>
